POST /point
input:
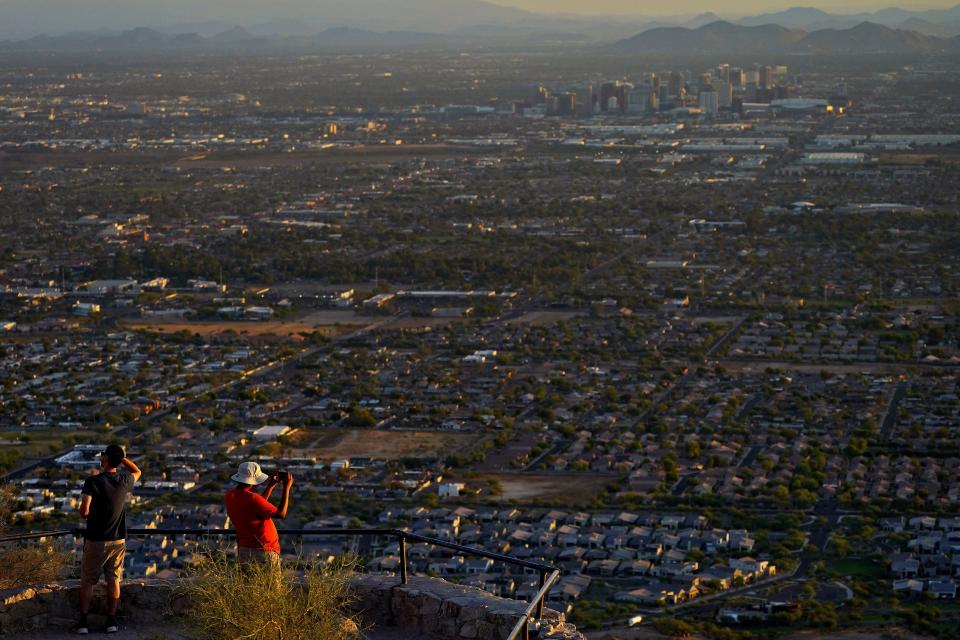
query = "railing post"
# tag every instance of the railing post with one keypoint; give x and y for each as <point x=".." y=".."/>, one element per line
<point x="403" y="558"/>
<point x="543" y="581"/>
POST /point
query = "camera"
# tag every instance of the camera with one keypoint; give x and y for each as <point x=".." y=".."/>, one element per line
<point x="282" y="476"/>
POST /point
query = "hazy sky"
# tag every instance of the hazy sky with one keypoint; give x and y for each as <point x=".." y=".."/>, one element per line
<point x="729" y="7"/>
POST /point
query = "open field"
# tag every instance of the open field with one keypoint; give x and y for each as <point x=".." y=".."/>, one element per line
<point x="759" y="366"/>
<point x="363" y="154"/>
<point x="575" y="487"/>
<point x="402" y="324"/>
<point x="328" y="317"/>
<point x="41" y="443"/>
<point x="377" y="443"/>
<point x="858" y="568"/>
<point x="329" y="323"/>
<point x="30" y="160"/>
<point x="730" y="320"/>
<point x="918" y="159"/>
<point x="544" y="318"/>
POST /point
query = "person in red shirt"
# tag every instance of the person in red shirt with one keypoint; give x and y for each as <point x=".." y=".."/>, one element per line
<point x="252" y="514"/>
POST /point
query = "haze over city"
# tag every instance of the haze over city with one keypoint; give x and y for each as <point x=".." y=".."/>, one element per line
<point x="20" y="19"/>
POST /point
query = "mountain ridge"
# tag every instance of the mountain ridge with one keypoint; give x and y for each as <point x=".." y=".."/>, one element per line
<point x="725" y="38"/>
<point x="236" y="38"/>
<point x="22" y="19"/>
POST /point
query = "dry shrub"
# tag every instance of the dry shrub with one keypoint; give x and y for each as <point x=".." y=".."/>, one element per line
<point x="7" y="498"/>
<point x="229" y="601"/>
<point x="22" y="566"/>
<point x="27" y="563"/>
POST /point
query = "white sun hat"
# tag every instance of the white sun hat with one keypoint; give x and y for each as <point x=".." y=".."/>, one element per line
<point x="249" y="473"/>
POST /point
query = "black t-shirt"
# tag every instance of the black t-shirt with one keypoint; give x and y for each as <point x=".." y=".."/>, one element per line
<point x="107" y="519"/>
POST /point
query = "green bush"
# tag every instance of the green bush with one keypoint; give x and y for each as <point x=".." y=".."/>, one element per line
<point x="674" y="628"/>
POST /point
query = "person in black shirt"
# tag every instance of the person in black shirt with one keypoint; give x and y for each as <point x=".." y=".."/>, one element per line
<point x="102" y="503"/>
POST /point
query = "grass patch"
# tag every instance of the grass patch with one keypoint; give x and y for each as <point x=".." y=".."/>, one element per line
<point x="228" y="600"/>
<point x="857" y="568"/>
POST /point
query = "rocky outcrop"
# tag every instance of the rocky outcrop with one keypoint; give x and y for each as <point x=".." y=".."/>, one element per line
<point x="55" y="605"/>
<point x="446" y="611"/>
<point x="430" y="607"/>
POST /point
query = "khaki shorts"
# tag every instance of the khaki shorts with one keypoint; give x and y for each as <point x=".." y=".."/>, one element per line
<point x="247" y="555"/>
<point x="102" y="558"/>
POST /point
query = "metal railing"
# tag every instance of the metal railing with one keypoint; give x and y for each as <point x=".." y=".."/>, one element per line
<point x="533" y="613"/>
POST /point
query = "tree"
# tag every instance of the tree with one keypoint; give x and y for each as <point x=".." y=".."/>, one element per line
<point x="9" y="458"/>
<point x="170" y="427"/>
<point x="361" y="417"/>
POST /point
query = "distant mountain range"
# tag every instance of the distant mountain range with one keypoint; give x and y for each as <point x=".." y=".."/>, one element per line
<point x="935" y="22"/>
<point x="22" y="19"/>
<point x="144" y="39"/>
<point x="713" y="39"/>
<point x="725" y="38"/>
<point x="384" y="24"/>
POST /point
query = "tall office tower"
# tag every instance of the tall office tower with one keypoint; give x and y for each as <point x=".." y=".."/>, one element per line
<point x="722" y="72"/>
<point x="766" y="77"/>
<point x="751" y="77"/>
<point x="541" y="95"/>
<point x="842" y="89"/>
<point x="678" y="84"/>
<point x="724" y="94"/>
<point x="650" y="79"/>
<point x="614" y="96"/>
<point x="736" y="77"/>
<point x="623" y="95"/>
<point x="637" y="100"/>
<point x="643" y="99"/>
<point x="709" y="100"/>
<point x="552" y="106"/>
<point x="663" y="96"/>
<point x="653" y="102"/>
<point x="609" y="91"/>
<point x="566" y="103"/>
<point x="585" y="100"/>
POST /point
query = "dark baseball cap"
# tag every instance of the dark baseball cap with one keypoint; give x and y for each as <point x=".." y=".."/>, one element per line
<point x="114" y="453"/>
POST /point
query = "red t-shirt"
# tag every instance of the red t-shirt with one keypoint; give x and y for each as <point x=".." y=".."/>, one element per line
<point x="250" y="514"/>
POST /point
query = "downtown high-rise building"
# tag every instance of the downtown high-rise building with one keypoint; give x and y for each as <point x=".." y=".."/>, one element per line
<point x="709" y="100"/>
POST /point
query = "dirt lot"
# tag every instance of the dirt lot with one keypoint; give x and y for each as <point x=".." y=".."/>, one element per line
<point x="575" y="487"/>
<point x="375" y="443"/>
<point x="16" y="161"/>
<point x="336" y="317"/>
<point x="330" y="323"/>
<point x="755" y="366"/>
<point x="544" y="318"/>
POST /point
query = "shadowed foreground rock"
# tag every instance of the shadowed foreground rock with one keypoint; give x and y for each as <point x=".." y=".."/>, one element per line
<point x="424" y="608"/>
